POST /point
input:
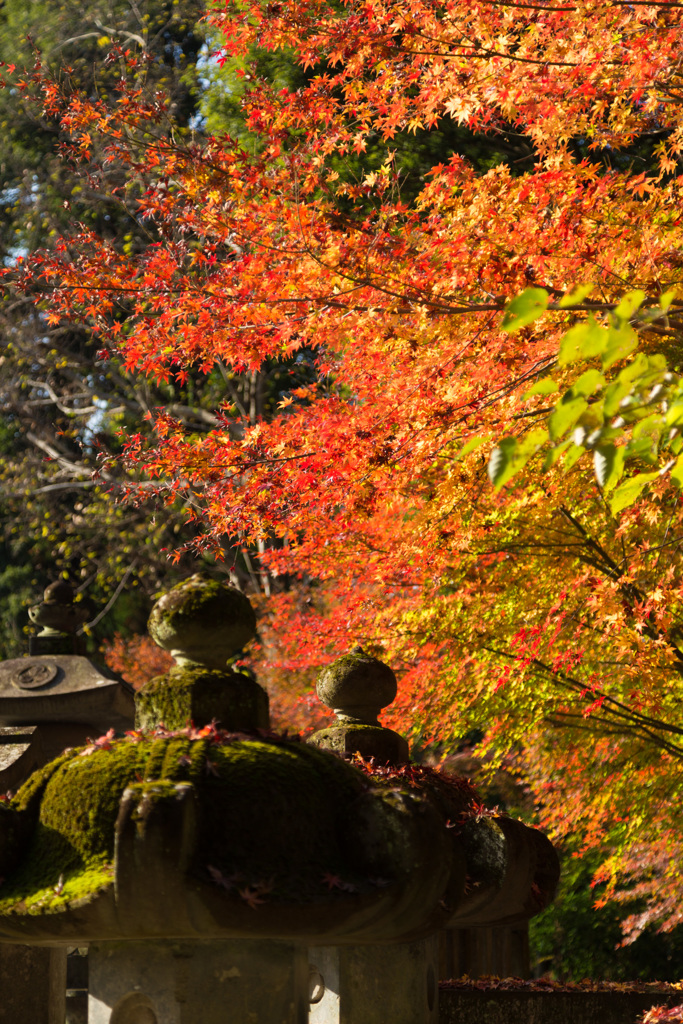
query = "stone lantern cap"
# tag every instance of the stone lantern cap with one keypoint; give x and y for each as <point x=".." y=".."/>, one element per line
<point x="55" y="697"/>
<point x="55" y="684"/>
<point x="206" y="834"/>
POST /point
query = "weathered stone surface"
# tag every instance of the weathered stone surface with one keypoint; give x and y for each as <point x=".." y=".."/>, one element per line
<point x="386" y="746"/>
<point x="481" y="1006"/>
<point x="515" y="870"/>
<point x="375" y="984"/>
<point x="198" y="983"/>
<point x="75" y="691"/>
<point x="218" y="836"/>
<point x="357" y="687"/>
<point x="202" y="622"/>
<point x="32" y="984"/>
<point x="477" y="952"/>
<point x="77" y="987"/>
<point x="59" y="618"/>
<point x="25" y="749"/>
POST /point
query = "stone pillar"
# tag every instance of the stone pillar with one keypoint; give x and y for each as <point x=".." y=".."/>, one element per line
<point x="219" y="982"/>
<point x="387" y="984"/>
<point x="32" y="984"/>
<point x="477" y="952"/>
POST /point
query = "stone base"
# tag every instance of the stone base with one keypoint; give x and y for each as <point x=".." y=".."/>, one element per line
<point x="388" y="984"/>
<point x="33" y="984"/>
<point x="166" y="982"/>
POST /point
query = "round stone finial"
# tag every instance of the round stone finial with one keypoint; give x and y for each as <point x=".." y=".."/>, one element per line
<point x="357" y="687"/>
<point x="57" y="612"/>
<point x="202" y="622"/>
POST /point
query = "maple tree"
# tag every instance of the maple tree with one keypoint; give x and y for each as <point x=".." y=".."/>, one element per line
<point x="543" y="612"/>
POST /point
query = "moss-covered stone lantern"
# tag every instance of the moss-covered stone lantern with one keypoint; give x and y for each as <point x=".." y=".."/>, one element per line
<point x="511" y="870"/>
<point x="55" y="697"/>
<point x="201" y="857"/>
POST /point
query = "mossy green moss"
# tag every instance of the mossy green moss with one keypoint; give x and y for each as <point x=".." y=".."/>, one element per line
<point x="201" y="695"/>
<point x="191" y="598"/>
<point x="270" y="811"/>
<point x="280" y="819"/>
<point x="72" y="805"/>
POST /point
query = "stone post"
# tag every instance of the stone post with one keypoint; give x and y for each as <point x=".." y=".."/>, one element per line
<point x="33" y="984"/>
<point x="165" y="982"/>
<point x="378" y="984"/>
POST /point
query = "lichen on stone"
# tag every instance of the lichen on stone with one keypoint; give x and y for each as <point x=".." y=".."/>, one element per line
<point x="357" y="680"/>
<point x="202" y="621"/>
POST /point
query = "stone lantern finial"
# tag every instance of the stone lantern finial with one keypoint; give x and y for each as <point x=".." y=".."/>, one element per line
<point x="60" y="619"/>
<point x="202" y="622"/>
<point x="357" y="686"/>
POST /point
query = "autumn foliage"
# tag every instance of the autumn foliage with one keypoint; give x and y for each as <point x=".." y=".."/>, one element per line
<point x="537" y="612"/>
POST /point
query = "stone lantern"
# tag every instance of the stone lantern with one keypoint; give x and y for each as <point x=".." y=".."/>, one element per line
<point x="56" y="697"/>
<point x="52" y="699"/>
<point x="220" y="872"/>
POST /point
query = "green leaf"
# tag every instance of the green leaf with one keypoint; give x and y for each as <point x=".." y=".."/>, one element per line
<point x="583" y="341"/>
<point x="501" y="465"/>
<point x="674" y="415"/>
<point x="472" y="445"/>
<point x="589" y="424"/>
<point x="650" y="428"/>
<point x="608" y="462"/>
<point x="575" y="296"/>
<point x="626" y="493"/>
<point x="555" y="454"/>
<point x="621" y="342"/>
<point x="641" y="448"/>
<point x="524" y="309"/>
<point x="638" y="366"/>
<point x="614" y="395"/>
<point x="629" y="304"/>
<point x="565" y="415"/>
<point x="677" y="472"/>
<point x="588" y="383"/>
<point x="511" y="454"/>
<point x="666" y="299"/>
<point x="573" y="456"/>
<point x="545" y="386"/>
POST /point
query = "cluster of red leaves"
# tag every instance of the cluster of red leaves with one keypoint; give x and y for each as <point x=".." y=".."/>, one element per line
<point x="455" y="794"/>
<point x="662" y="1014"/>
<point x="137" y="659"/>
